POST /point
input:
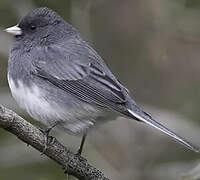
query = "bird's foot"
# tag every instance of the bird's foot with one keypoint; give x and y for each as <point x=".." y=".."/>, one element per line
<point x="81" y="158"/>
<point x="47" y="139"/>
<point x="78" y="153"/>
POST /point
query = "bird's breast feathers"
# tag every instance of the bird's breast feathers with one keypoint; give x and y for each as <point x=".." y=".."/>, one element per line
<point x="76" y="118"/>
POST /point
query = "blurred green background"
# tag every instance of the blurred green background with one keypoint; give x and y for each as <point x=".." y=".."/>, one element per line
<point x="153" y="47"/>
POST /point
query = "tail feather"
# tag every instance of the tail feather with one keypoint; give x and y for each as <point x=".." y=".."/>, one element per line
<point x="148" y="120"/>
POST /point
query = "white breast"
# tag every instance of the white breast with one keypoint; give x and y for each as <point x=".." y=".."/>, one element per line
<point x="29" y="98"/>
<point x="76" y="120"/>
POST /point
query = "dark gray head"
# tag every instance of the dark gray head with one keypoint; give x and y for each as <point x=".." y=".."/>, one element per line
<point x="41" y="26"/>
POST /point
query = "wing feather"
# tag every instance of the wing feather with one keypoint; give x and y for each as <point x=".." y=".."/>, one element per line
<point x="81" y="74"/>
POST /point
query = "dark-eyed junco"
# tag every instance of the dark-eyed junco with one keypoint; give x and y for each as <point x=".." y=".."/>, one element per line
<point x="61" y="81"/>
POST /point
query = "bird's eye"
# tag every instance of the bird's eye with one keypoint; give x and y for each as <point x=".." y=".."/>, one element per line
<point x="32" y="27"/>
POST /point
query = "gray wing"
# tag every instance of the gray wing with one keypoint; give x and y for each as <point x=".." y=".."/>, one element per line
<point x="77" y="69"/>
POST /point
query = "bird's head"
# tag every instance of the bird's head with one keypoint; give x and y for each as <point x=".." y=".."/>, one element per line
<point x="40" y="26"/>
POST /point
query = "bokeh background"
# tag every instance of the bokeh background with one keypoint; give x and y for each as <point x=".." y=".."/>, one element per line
<point x="153" y="47"/>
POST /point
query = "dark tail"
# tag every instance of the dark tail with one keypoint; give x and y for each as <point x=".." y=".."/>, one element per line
<point x="142" y="116"/>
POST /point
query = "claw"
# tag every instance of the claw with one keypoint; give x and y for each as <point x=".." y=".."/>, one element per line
<point x="81" y="158"/>
<point x="47" y="139"/>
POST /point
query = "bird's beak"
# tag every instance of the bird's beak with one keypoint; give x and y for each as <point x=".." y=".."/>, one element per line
<point x="14" y="30"/>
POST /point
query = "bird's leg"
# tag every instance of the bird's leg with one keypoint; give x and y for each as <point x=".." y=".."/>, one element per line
<point x="82" y="144"/>
<point x="78" y="152"/>
<point x="48" y="139"/>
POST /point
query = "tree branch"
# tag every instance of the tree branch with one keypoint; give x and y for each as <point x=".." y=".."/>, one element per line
<point x="70" y="162"/>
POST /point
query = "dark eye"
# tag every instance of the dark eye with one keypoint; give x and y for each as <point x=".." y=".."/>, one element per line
<point x="32" y="27"/>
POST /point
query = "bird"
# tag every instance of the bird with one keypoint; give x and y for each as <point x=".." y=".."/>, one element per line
<point x="62" y="82"/>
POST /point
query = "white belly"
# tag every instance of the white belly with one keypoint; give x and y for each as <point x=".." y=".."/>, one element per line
<point x="31" y="99"/>
<point x="76" y="120"/>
